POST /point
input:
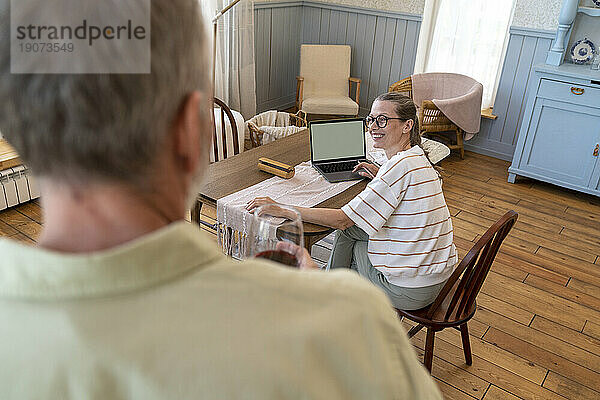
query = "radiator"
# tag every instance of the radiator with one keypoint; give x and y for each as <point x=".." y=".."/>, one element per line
<point x="17" y="186"/>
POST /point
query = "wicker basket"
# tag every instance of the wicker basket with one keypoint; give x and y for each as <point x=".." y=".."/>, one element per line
<point x="256" y="134"/>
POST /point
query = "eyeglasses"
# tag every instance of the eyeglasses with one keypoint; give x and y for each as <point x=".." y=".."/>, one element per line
<point x="380" y="120"/>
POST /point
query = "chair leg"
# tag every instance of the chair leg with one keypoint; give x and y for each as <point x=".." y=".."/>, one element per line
<point x="195" y="212"/>
<point x="459" y="142"/>
<point x="414" y="330"/>
<point x="464" y="333"/>
<point x="428" y="358"/>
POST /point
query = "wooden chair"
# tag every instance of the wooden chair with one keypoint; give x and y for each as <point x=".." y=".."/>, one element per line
<point x="432" y="121"/>
<point x="224" y="112"/>
<point x="455" y="305"/>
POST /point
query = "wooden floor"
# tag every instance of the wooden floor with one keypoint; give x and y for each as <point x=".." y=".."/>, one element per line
<point x="536" y="334"/>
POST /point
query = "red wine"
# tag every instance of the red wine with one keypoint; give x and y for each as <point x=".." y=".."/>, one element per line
<point x="279" y="256"/>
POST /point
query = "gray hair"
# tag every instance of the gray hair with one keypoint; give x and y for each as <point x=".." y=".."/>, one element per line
<point x="105" y="127"/>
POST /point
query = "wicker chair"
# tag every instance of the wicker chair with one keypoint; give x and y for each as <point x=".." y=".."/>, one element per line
<point x="297" y="119"/>
<point x="432" y="121"/>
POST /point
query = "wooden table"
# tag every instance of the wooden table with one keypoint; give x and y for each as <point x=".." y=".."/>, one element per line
<point x="241" y="171"/>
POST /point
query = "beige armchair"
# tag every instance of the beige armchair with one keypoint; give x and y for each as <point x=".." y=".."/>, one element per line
<point x="325" y="85"/>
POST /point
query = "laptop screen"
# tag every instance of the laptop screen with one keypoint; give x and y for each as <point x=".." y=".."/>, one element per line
<point x="331" y="140"/>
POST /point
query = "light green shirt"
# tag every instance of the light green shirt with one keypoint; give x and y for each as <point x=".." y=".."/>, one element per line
<point x="166" y="316"/>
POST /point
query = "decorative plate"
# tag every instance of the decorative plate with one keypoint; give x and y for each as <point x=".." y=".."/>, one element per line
<point x="583" y="51"/>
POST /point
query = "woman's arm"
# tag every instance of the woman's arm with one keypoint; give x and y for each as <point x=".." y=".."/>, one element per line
<point x="331" y="217"/>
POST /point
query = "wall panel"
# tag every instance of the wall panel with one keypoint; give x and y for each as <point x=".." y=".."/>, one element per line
<point x="526" y="48"/>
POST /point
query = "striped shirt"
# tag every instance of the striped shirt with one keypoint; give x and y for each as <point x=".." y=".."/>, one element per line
<point x="404" y="212"/>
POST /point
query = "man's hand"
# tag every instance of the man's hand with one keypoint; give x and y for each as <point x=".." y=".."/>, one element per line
<point x="301" y="254"/>
<point x="259" y="201"/>
<point x="371" y="169"/>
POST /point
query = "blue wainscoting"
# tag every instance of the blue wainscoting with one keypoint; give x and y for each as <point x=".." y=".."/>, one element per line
<point x="384" y="46"/>
<point x="526" y="48"/>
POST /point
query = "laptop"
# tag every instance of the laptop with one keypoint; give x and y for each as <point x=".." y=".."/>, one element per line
<point x="336" y="146"/>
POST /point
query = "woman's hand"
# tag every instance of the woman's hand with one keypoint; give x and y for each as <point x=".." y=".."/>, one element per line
<point x="301" y="254"/>
<point x="371" y="169"/>
<point x="259" y="201"/>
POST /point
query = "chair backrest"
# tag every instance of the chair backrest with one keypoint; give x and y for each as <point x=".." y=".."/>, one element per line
<point x="474" y="268"/>
<point x="325" y="69"/>
<point x="402" y="86"/>
<point x="224" y="112"/>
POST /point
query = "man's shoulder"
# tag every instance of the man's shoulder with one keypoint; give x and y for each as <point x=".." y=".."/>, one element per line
<point x="335" y="285"/>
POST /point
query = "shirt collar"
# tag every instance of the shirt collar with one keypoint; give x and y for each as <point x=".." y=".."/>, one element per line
<point x="34" y="273"/>
<point x="416" y="149"/>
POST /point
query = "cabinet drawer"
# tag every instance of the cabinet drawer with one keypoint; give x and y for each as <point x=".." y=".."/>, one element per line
<point x="570" y="93"/>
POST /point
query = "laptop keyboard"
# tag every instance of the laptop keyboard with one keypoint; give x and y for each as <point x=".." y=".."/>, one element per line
<point x="338" y="167"/>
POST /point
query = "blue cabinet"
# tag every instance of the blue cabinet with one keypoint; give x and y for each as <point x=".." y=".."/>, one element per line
<point x="560" y="134"/>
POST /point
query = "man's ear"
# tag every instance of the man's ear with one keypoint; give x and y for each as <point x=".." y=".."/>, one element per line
<point x="408" y="125"/>
<point x="187" y="133"/>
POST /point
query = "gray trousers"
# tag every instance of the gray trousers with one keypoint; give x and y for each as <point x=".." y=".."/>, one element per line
<point x="350" y="251"/>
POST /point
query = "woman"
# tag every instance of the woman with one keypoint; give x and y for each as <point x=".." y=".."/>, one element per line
<point x="397" y="233"/>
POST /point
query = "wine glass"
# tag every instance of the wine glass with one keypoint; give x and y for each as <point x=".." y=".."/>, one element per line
<point x="274" y="223"/>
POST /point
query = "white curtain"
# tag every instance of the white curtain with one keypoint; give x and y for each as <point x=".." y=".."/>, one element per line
<point x="235" y="82"/>
<point x="466" y="37"/>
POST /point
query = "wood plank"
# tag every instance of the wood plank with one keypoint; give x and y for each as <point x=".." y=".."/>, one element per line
<point x="559" y="218"/>
<point x="528" y="266"/>
<point x="488" y="370"/>
<point x="537" y="338"/>
<point x="23" y="239"/>
<point x="495" y="305"/>
<point x="31" y="229"/>
<point x="569" y="388"/>
<point x="567" y="335"/>
<point x="564" y="292"/>
<point x="534" y="236"/>
<point x="513" y="267"/>
<point x="556" y="255"/>
<point x="495" y="393"/>
<point x="13" y="217"/>
<point x="592" y="329"/>
<point x="7" y="230"/>
<point x="593" y="239"/>
<point x="574" y="200"/>
<point x="584" y="287"/>
<point x="492" y="211"/>
<point x="564" y="267"/>
<point x="32" y="210"/>
<point x="451" y="393"/>
<point x="544" y="358"/>
<point x="501" y="357"/>
<point x="459" y="378"/>
<point x="537" y="301"/>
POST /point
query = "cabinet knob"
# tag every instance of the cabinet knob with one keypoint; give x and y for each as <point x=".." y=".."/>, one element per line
<point x="596" y="150"/>
<point x="577" y="91"/>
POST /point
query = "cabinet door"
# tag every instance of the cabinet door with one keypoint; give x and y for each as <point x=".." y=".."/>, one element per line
<point x="561" y="141"/>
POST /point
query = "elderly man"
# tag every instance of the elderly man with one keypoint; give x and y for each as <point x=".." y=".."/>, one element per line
<point x="123" y="299"/>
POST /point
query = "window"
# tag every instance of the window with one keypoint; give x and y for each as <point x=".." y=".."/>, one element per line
<point x="466" y="37"/>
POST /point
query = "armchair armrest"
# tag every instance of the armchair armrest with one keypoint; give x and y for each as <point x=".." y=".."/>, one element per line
<point x="299" y="90"/>
<point x="357" y="81"/>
